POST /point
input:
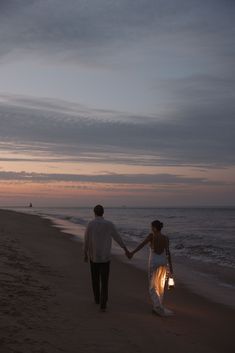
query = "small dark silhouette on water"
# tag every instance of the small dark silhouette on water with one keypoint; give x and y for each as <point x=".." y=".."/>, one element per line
<point x="30" y="205"/>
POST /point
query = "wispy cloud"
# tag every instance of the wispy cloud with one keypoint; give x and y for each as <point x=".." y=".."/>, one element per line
<point x="84" y="134"/>
<point x="111" y="178"/>
<point x="170" y="62"/>
<point x="77" y="29"/>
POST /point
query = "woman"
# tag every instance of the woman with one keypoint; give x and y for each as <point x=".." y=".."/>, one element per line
<point x="159" y="260"/>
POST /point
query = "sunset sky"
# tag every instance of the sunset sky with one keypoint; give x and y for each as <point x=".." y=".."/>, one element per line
<point x="126" y="102"/>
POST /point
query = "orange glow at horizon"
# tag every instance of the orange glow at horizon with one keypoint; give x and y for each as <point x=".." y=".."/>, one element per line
<point x="219" y="182"/>
<point x="128" y="194"/>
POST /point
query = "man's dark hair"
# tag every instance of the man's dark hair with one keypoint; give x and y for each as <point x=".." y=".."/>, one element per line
<point x="99" y="210"/>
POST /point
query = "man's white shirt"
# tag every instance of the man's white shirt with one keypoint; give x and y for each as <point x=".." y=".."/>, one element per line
<point x="98" y="239"/>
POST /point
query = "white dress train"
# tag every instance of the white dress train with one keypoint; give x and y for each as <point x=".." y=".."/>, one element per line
<point x="157" y="278"/>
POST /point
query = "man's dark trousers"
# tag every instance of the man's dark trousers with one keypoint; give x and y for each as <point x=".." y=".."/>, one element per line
<point x="100" y="281"/>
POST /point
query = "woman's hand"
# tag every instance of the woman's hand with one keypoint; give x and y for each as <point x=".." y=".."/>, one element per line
<point x="129" y="254"/>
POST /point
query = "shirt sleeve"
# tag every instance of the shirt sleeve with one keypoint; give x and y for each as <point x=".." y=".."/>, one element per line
<point x="116" y="236"/>
<point x="86" y="241"/>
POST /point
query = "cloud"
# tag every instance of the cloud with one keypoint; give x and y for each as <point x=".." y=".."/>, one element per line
<point x="78" y="29"/>
<point x="111" y="178"/>
<point x="57" y="132"/>
<point x="199" y="89"/>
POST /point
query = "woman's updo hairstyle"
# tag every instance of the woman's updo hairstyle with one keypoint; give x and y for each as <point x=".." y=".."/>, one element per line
<point x="157" y="224"/>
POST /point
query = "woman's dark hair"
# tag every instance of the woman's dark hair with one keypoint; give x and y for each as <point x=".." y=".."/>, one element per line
<point x="99" y="210"/>
<point x="157" y="224"/>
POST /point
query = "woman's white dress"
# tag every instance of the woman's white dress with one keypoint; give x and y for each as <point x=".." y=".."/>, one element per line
<point x="157" y="279"/>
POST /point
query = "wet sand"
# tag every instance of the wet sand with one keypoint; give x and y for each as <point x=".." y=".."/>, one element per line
<point x="47" y="306"/>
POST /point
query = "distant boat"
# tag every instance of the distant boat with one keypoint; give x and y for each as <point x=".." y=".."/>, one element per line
<point x="30" y="205"/>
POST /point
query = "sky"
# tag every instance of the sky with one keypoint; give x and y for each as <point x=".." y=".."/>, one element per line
<point x="117" y="102"/>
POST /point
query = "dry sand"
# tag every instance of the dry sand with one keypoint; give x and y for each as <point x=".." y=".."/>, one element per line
<point x="46" y="303"/>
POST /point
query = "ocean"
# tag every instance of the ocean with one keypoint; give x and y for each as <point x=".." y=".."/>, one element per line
<point x="202" y="241"/>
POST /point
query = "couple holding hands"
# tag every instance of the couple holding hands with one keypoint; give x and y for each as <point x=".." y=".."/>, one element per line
<point x="97" y="249"/>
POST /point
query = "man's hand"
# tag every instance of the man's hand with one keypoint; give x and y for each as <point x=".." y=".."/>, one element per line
<point x="131" y="254"/>
<point x="128" y="254"/>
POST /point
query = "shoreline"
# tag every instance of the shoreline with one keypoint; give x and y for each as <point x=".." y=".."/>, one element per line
<point x="188" y="272"/>
<point x="46" y="301"/>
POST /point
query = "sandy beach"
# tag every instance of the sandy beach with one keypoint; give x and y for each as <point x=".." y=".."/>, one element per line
<point x="47" y="306"/>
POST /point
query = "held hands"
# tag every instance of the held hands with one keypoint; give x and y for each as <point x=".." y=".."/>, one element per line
<point x="129" y="254"/>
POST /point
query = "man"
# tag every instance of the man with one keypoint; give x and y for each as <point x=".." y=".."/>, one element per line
<point x="97" y="249"/>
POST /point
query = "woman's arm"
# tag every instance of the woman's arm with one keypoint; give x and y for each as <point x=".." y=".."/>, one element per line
<point x="168" y="254"/>
<point x="141" y="245"/>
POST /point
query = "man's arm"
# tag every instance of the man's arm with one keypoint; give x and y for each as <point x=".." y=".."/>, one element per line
<point x="116" y="236"/>
<point x="86" y="244"/>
